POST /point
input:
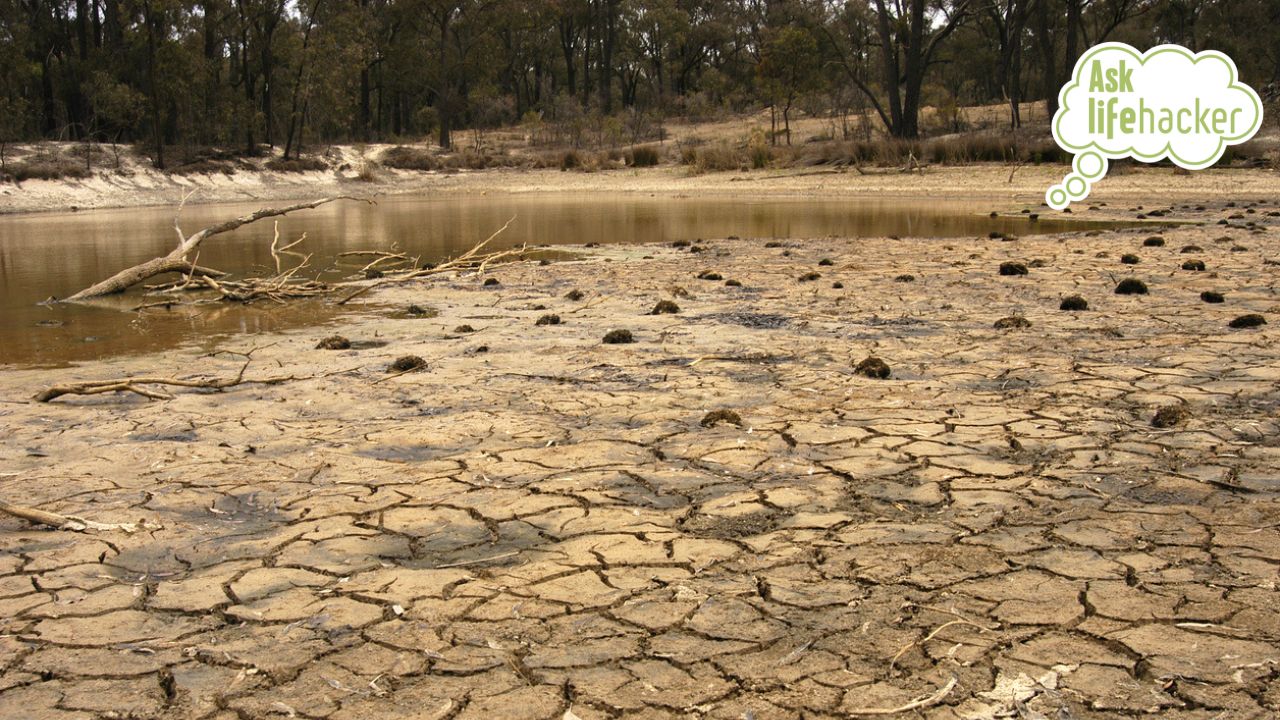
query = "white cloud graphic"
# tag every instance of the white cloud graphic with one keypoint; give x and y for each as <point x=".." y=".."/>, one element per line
<point x="1165" y="103"/>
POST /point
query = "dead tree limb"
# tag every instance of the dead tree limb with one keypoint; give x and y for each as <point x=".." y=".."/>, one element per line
<point x="472" y="259"/>
<point x="139" y="385"/>
<point x="70" y="522"/>
<point x="176" y="261"/>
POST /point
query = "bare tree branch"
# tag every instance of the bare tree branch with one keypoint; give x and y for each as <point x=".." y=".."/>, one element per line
<point x="175" y="261"/>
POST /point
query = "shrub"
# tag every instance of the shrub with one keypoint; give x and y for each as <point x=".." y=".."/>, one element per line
<point x="403" y="157"/>
<point x="201" y="167"/>
<point x="50" y="166"/>
<point x="718" y="157"/>
<point x="643" y="156"/>
<point x="368" y="171"/>
<point x="302" y="164"/>
<point x="570" y="160"/>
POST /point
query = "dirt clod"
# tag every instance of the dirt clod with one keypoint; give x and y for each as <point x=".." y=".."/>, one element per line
<point x="722" y="528"/>
<point x="905" y="278"/>
<point x="710" y="275"/>
<point x="490" y="282"/>
<point x="418" y="311"/>
<point x="334" y="342"/>
<point x="464" y="329"/>
<point x="665" y="307"/>
<point x="574" y="295"/>
<point x="1013" y="322"/>
<point x="548" y="320"/>
<point x="1130" y="259"/>
<point x="873" y="367"/>
<point x="407" y="363"/>
<point x="733" y="283"/>
<point x="837" y="285"/>
<point x="1192" y="249"/>
<point x="618" y="337"/>
<point x="1131" y="286"/>
<point x="1197" y="265"/>
<point x="809" y="277"/>
<point x="1210" y="296"/>
<point x="1073" y="303"/>
<point x="826" y="262"/>
<point x="1250" y="320"/>
<point x="718" y="416"/>
<point x="1013" y="268"/>
<point x="1153" y="241"/>
<point x="1170" y="415"/>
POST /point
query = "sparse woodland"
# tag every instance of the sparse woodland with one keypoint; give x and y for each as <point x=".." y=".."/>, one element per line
<point x="180" y="79"/>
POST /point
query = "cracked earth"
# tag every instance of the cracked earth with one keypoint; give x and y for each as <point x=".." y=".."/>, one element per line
<point x="539" y="525"/>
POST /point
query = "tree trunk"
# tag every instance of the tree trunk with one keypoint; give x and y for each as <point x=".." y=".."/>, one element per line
<point x="1073" y="34"/>
<point x="1047" y="61"/>
<point x="889" y="68"/>
<point x="364" y="104"/>
<point x="608" y="40"/>
<point x="913" y="72"/>
<point x="294" y="115"/>
<point x="152" y="87"/>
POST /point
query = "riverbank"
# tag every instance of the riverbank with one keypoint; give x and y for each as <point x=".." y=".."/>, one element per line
<point x="720" y="519"/>
<point x="1018" y="187"/>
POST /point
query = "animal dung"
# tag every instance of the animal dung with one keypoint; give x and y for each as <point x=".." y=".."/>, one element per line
<point x="1073" y="303"/>
<point x="873" y="367"/>
<point x="1131" y="286"/>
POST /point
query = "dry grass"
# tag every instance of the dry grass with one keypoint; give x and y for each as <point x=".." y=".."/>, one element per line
<point x="47" y="168"/>
<point x="643" y="156"/>
<point x="403" y="157"/>
<point x="719" y="156"/>
<point x="294" y="165"/>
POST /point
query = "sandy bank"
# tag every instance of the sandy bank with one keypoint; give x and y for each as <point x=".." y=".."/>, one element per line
<point x="143" y="187"/>
<point x="539" y="522"/>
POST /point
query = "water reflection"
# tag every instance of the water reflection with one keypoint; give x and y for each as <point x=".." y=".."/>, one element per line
<point x="56" y="254"/>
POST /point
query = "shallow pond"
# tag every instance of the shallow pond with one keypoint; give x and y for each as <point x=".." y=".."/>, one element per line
<point x="57" y="254"/>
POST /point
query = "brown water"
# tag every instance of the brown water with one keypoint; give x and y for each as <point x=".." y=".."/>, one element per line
<point x="57" y="254"/>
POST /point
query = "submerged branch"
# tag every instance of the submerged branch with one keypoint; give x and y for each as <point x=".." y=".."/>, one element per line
<point x="176" y="260"/>
<point x="472" y="259"/>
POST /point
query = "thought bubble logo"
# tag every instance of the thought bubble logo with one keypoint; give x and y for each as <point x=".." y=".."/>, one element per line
<point x="1165" y="103"/>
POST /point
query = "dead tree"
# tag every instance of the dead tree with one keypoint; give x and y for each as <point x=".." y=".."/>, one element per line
<point x="176" y="261"/>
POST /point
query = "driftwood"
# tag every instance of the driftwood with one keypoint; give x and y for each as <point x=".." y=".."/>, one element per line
<point x="176" y="260"/>
<point x="138" y="385"/>
<point x="207" y="285"/>
<point x="472" y="259"/>
<point x="70" y="522"/>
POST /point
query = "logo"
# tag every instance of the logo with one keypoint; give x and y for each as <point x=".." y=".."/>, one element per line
<point x="1165" y="103"/>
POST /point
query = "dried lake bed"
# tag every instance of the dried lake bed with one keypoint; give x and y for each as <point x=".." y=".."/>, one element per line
<point x="720" y="519"/>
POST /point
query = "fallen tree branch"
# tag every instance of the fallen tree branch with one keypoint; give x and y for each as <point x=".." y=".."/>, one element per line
<point x="176" y="261"/>
<point x="71" y="522"/>
<point x="470" y="260"/>
<point x="137" y="386"/>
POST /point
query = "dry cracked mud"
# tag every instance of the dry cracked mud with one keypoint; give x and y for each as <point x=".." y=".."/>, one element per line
<point x="547" y="530"/>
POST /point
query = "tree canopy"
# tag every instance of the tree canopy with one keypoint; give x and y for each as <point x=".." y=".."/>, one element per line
<point x="284" y="73"/>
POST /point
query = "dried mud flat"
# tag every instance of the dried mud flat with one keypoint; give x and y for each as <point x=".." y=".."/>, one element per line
<point x="542" y="525"/>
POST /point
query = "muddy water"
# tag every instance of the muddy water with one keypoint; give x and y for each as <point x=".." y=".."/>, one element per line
<point x="56" y="254"/>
